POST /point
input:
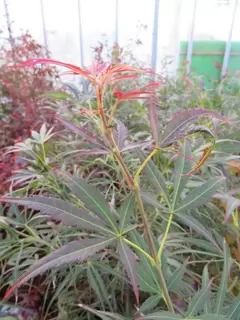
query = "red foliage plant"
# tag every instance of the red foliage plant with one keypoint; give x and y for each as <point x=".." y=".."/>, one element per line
<point x="20" y="107"/>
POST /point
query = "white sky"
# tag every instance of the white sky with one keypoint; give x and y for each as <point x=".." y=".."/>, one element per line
<point x="98" y="17"/>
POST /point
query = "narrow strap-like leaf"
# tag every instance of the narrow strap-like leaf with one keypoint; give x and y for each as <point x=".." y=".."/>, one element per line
<point x="154" y="122"/>
<point x="91" y="198"/>
<point x="198" y="301"/>
<point x="76" y="251"/>
<point x="222" y="291"/>
<point x="135" y="145"/>
<point x="212" y="317"/>
<point x="126" y="211"/>
<point x="183" y="164"/>
<point x="129" y="264"/>
<point x="200" y="195"/>
<point x="121" y="135"/>
<point x="150" y="303"/>
<point x="98" y="285"/>
<point x="198" y="227"/>
<point x="205" y="283"/>
<point x="155" y="176"/>
<point x="61" y="210"/>
<point x="83" y="132"/>
<point x="234" y="309"/>
<point x="161" y="316"/>
<point x="174" y="281"/>
<point x="102" y="314"/>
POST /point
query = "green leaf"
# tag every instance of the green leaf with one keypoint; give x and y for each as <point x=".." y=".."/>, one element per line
<point x="98" y="285"/>
<point x="161" y="316"/>
<point x="212" y="317"/>
<point x="78" y="251"/>
<point x="222" y="291"/>
<point x="198" y="227"/>
<point x="176" y="278"/>
<point x="146" y="273"/>
<point x="198" y="301"/>
<point x="129" y="264"/>
<point x="92" y="199"/>
<point x="85" y="133"/>
<point x="234" y="309"/>
<point x="205" y="283"/>
<point x="61" y="210"/>
<point x="182" y="165"/>
<point x="126" y="211"/>
<point x="57" y="95"/>
<point x="200" y="195"/>
<point x="227" y="146"/>
<point x="176" y="128"/>
<point x="102" y="314"/>
<point x="155" y="177"/>
<point x="150" y="303"/>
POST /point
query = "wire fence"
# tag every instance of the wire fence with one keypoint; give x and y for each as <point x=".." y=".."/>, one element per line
<point x="70" y="28"/>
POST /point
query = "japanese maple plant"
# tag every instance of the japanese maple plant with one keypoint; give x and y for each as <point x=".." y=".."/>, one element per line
<point x="144" y="259"/>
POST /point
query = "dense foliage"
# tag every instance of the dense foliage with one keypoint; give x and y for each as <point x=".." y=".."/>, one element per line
<point x="130" y="211"/>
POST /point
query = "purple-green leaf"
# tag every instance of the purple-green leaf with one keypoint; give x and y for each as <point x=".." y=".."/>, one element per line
<point x="121" y="135"/>
<point x="92" y="152"/>
<point x="76" y="251"/>
<point x="83" y="132"/>
<point x="61" y="210"/>
<point x="126" y="211"/>
<point x="231" y="204"/>
<point x="129" y="264"/>
<point x="176" y="128"/>
<point x="154" y="123"/>
<point x="135" y="145"/>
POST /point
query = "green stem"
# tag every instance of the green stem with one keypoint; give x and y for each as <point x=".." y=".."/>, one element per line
<point x="160" y="251"/>
<point x="163" y="285"/>
<point x="133" y="184"/>
<point x="141" y="250"/>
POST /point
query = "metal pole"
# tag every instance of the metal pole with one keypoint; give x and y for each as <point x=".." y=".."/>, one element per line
<point x="191" y="36"/>
<point x="117" y="23"/>
<point x="228" y="45"/>
<point x="8" y="21"/>
<point x="80" y="35"/>
<point x="45" y="38"/>
<point x="155" y="36"/>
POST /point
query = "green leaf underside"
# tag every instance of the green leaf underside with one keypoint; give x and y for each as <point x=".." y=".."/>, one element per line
<point x="75" y="251"/>
<point x="205" y="283"/>
<point x="222" y="291"/>
<point x="174" y="281"/>
<point x="198" y="227"/>
<point x="129" y="264"/>
<point x="150" y="303"/>
<point x="182" y="165"/>
<point x="61" y="210"/>
<point x="92" y="199"/>
<point x="126" y="211"/>
<point x="200" y="195"/>
<point x="155" y="176"/>
<point x="161" y="316"/>
<point x="198" y="301"/>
